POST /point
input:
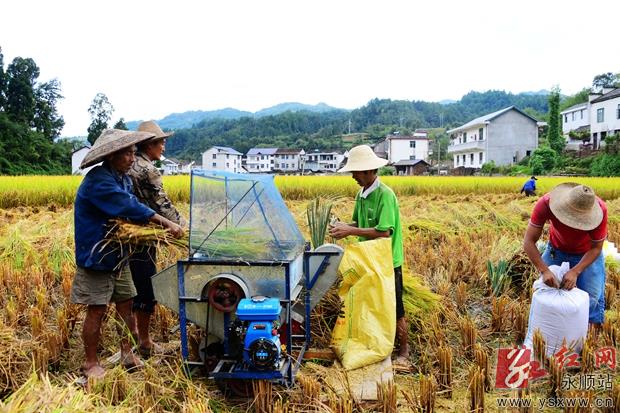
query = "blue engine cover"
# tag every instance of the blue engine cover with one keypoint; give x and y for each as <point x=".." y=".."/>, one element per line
<point x="261" y="346"/>
<point x="258" y="309"/>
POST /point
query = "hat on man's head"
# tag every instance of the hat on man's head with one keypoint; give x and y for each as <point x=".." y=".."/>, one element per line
<point x="363" y="158"/>
<point x="534" y="178"/>
<point x="152" y="127"/>
<point x="110" y="141"/>
<point x="576" y="206"/>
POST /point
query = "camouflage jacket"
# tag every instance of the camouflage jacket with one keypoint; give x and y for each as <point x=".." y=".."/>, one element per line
<point x="149" y="188"/>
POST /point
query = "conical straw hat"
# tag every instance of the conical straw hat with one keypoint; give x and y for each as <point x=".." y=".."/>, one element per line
<point x="152" y="127"/>
<point x="363" y="158"/>
<point x="576" y="206"/>
<point x="110" y="141"/>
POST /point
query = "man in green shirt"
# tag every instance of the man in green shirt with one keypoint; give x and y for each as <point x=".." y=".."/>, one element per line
<point x="376" y="215"/>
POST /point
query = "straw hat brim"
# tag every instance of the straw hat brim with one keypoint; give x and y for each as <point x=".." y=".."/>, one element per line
<point x="363" y="165"/>
<point x="163" y="135"/>
<point x="569" y="216"/>
<point x="110" y="141"/>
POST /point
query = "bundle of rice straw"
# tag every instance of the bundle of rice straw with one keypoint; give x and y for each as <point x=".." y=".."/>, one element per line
<point x="133" y="235"/>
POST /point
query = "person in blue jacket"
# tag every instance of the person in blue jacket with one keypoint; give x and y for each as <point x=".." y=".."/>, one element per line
<point x="102" y="276"/>
<point x="529" y="187"/>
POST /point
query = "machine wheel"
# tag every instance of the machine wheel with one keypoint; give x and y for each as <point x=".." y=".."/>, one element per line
<point x="224" y="295"/>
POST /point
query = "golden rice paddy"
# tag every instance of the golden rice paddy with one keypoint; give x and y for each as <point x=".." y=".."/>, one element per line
<point x="452" y="228"/>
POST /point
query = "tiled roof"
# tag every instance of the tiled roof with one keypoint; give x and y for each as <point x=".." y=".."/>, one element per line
<point x="611" y="95"/>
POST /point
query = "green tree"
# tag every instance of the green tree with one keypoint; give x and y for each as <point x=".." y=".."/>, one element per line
<point x="2" y="82"/>
<point x="488" y="168"/>
<point x="543" y="160"/>
<point x="100" y="111"/>
<point x="554" y="134"/>
<point x="46" y="119"/>
<point x="605" y="80"/>
<point x="20" y="90"/>
<point x="120" y="124"/>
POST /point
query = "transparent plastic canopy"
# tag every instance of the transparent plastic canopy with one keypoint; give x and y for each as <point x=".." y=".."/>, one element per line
<point x="240" y="217"/>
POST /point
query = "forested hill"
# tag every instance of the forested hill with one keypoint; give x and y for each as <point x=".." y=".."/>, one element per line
<point x="189" y="119"/>
<point x="323" y="130"/>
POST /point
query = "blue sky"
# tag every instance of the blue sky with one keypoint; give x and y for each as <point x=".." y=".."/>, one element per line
<point x="154" y="58"/>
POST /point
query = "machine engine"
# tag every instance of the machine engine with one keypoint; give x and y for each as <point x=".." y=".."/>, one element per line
<point x="257" y="324"/>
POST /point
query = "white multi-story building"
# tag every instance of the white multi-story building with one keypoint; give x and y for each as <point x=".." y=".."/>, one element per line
<point x="604" y="115"/>
<point x="289" y="160"/>
<point x="323" y="161"/>
<point x="222" y="158"/>
<point x="261" y="160"/>
<point x="575" y="119"/>
<point x="409" y="148"/>
<point x="505" y="137"/>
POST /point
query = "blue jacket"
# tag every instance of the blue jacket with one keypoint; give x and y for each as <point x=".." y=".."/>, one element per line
<point x="103" y="194"/>
<point x="530" y="185"/>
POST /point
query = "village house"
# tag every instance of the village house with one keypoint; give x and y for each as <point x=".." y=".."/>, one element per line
<point x="604" y="115"/>
<point x="504" y="137"/>
<point x="407" y="147"/>
<point x="323" y="161"/>
<point x="411" y="167"/>
<point x="576" y="124"/>
<point x="289" y="160"/>
<point x="260" y="160"/>
<point x="222" y="158"/>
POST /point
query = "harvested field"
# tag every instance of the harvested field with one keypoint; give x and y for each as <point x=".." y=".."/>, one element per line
<point x="451" y="236"/>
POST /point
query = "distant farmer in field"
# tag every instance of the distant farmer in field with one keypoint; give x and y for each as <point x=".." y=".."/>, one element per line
<point x="376" y="215"/>
<point x="149" y="189"/>
<point x="578" y="229"/>
<point x="101" y="275"/>
<point x="529" y="187"/>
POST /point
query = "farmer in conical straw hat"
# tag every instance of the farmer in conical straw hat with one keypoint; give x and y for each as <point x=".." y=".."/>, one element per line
<point x="578" y="229"/>
<point x="149" y="189"/>
<point x="376" y="215"/>
<point x="101" y="276"/>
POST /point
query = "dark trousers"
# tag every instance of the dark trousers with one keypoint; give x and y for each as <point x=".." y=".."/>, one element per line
<point x="142" y="265"/>
<point x="398" y="283"/>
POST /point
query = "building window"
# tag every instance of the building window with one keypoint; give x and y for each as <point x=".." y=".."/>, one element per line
<point x="214" y="164"/>
<point x="227" y="165"/>
<point x="464" y="137"/>
<point x="600" y="115"/>
<point x="572" y="116"/>
<point x="227" y="156"/>
<point x="582" y="113"/>
<point x="565" y="117"/>
<point x="480" y="156"/>
<point x="471" y="158"/>
<point x="412" y="157"/>
<point x="528" y="153"/>
<point x="618" y="112"/>
<point x="214" y="156"/>
<point x="412" y="144"/>
<point x="481" y="133"/>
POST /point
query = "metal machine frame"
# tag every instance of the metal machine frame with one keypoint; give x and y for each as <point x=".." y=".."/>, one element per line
<point x="296" y="345"/>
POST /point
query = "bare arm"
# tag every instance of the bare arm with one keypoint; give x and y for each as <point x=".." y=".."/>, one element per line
<point x="340" y="230"/>
<point x="532" y="235"/>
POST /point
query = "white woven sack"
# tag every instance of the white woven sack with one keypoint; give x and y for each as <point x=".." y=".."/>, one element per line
<point x="559" y="314"/>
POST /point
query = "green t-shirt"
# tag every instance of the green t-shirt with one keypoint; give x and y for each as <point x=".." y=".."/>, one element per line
<point x="379" y="210"/>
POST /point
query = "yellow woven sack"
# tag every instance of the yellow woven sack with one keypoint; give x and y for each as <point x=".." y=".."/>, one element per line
<point x="364" y="333"/>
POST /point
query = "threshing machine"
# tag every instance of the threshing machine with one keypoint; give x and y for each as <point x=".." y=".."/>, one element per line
<point x="249" y="282"/>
